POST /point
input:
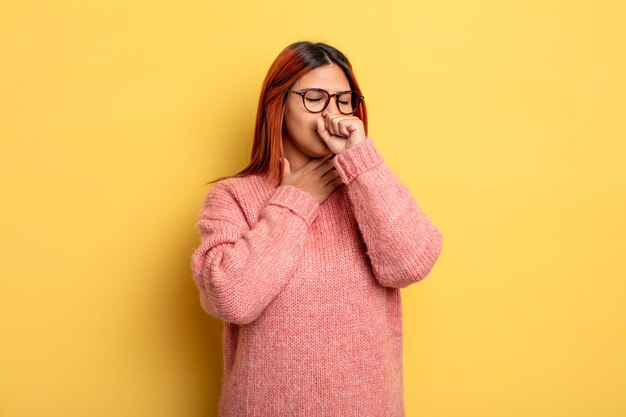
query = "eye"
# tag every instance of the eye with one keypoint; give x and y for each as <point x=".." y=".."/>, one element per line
<point x="312" y="99"/>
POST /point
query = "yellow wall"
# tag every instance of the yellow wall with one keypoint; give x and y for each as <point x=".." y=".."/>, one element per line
<point x="506" y="120"/>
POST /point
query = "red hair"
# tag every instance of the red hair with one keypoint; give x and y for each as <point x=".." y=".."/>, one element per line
<point x="292" y="63"/>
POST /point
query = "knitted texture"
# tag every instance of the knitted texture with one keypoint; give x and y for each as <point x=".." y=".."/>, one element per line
<point x="309" y="293"/>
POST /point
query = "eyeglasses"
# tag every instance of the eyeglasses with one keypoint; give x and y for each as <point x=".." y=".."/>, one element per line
<point x="315" y="100"/>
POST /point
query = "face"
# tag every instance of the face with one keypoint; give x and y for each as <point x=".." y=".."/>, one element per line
<point x="300" y="137"/>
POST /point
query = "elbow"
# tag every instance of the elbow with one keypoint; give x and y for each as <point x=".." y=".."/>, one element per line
<point x="226" y="309"/>
<point x="241" y="319"/>
<point x="232" y="307"/>
<point x="220" y="297"/>
<point x="411" y="269"/>
<point x="433" y="249"/>
<point x="402" y="278"/>
<point x="429" y="255"/>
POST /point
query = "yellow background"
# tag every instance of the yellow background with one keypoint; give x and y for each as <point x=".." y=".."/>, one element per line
<point x="506" y="120"/>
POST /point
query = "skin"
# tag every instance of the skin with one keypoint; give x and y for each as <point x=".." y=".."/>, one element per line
<point x="311" y="139"/>
<point x="306" y="135"/>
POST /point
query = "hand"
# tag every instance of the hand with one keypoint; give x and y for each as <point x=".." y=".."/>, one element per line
<point x="340" y="131"/>
<point x="318" y="177"/>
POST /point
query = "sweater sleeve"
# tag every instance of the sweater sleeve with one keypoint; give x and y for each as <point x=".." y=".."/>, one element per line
<point x="239" y="270"/>
<point x="402" y="243"/>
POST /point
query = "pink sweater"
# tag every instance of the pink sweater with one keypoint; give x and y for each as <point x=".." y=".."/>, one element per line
<point x="309" y="293"/>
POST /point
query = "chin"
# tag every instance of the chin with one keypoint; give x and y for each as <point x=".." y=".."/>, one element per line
<point x="322" y="149"/>
<point x="315" y="148"/>
<point x="322" y="152"/>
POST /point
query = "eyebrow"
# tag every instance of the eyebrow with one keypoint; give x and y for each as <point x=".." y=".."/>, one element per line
<point x="320" y="88"/>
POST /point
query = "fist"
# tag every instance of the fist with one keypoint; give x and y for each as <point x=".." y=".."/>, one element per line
<point x="340" y="131"/>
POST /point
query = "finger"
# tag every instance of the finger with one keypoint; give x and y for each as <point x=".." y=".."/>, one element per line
<point x="326" y="164"/>
<point x="330" y="181"/>
<point x="344" y="129"/>
<point x="329" y="171"/>
<point x="319" y="162"/>
<point x="343" y="123"/>
<point x="331" y="125"/>
<point x="335" y="121"/>
<point x="338" y="181"/>
<point x="322" y="130"/>
<point x="335" y="183"/>
<point x="354" y="124"/>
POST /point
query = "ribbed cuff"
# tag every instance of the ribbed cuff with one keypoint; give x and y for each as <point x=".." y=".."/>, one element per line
<point x="357" y="159"/>
<point x="297" y="200"/>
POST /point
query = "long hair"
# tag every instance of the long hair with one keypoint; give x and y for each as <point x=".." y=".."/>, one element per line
<point x="292" y="63"/>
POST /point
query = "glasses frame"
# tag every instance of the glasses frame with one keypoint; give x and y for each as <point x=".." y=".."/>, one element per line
<point x="330" y="96"/>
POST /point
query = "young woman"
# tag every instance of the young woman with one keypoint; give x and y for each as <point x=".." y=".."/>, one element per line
<point x="303" y="252"/>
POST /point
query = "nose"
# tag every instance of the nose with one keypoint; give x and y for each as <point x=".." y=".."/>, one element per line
<point x="331" y="108"/>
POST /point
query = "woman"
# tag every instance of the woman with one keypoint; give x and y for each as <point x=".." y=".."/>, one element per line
<point x="303" y="259"/>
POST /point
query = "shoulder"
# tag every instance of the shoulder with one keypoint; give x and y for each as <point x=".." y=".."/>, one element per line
<point x="243" y="185"/>
<point x="239" y="190"/>
<point x="236" y="199"/>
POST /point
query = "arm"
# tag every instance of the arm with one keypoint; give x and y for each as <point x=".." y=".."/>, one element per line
<point x="239" y="270"/>
<point x="402" y="243"/>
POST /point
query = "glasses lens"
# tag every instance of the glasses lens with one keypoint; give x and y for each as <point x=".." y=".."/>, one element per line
<point x="349" y="102"/>
<point x="314" y="100"/>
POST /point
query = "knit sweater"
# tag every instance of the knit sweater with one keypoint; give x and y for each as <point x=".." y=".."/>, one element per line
<point x="309" y="293"/>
